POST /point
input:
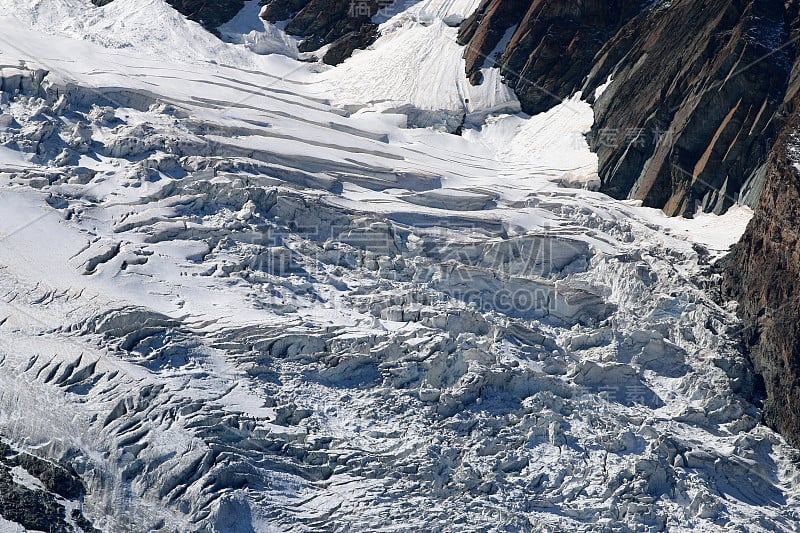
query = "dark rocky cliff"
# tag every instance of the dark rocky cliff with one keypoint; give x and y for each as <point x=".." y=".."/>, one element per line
<point x="210" y="13"/>
<point x="701" y="83"/>
<point x="345" y="25"/>
<point x="551" y="47"/>
<point x="763" y="273"/>
<point x="721" y="87"/>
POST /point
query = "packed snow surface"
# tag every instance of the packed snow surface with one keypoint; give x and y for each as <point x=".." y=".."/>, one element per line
<point x="239" y="292"/>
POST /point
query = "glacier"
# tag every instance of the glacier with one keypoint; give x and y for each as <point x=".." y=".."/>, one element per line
<point x="245" y="293"/>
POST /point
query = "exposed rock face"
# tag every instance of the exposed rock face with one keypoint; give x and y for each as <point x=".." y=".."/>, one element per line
<point x="763" y="273"/>
<point x="344" y="24"/>
<point x="730" y="86"/>
<point x="37" y="494"/>
<point x="691" y="117"/>
<point x="551" y="49"/>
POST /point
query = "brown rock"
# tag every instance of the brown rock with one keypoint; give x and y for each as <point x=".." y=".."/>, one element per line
<point x="278" y="11"/>
<point x="344" y="24"/>
<point x="343" y="47"/>
<point x="690" y="117"/>
<point x="552" y="49"/>
<point x="763" y="273"/>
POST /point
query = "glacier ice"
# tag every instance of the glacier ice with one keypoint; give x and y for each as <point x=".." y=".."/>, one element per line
<point x="227" y="304"/>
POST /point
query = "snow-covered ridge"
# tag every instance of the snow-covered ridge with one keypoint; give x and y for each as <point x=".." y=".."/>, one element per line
<point x="248" y="309"/>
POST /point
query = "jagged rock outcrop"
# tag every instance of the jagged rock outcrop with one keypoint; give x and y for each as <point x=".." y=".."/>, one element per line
<point x="691" y="117"/>
<point x="345" y="25"/>
<point x="551" y="47"/>
<point x="709" y="139"/>
<point x="700" y="97"/>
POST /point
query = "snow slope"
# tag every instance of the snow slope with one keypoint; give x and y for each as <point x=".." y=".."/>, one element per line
<point x="416" y="68"/>
<point x="231" y="304"/>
